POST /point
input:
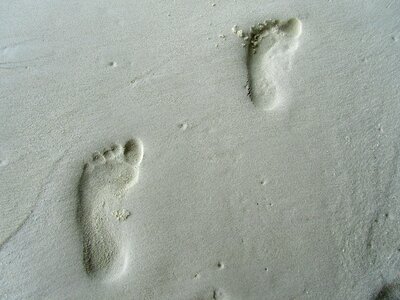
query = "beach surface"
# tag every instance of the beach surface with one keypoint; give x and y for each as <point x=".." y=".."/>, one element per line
<point x="166" y="150"/>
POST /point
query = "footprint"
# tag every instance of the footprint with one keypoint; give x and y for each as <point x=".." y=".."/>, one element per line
<point x="270" y="47"/>
<point x="104" y="182"/>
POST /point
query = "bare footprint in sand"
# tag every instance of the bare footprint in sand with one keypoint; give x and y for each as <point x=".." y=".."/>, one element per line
<point x="271" y="46"/>
<point x="104" y="182"/>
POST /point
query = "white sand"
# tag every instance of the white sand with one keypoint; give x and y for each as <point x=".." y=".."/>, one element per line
<point x="233" y="202"/>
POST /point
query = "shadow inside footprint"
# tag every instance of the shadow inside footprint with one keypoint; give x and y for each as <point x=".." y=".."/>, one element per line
<point x="389" y="292"/>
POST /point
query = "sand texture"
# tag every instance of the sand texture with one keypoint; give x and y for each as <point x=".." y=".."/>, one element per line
<point x="266" y="135"/>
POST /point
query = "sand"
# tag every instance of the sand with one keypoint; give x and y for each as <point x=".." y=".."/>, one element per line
<point x="290" y="191"/>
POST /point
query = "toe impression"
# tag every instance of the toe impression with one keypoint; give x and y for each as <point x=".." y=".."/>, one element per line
<point x="98" y="158"/>
<point x="134" y="152"/>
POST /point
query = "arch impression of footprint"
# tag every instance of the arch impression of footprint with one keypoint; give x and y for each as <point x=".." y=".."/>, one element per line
<point x="270" y="47"/>
<point x="104" y="183"/>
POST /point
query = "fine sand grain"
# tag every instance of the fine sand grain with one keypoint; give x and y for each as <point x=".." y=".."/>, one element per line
<point x="271" y="167"/>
